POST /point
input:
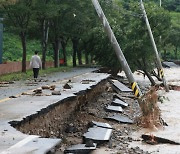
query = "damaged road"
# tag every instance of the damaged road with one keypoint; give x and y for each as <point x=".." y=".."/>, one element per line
<point x="75" y="119"/>
<point x="64" y="119"/>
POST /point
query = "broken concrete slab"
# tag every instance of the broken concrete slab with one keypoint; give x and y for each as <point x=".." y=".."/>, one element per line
<point x="120" y="118"/>
<point x="101" y="124"/>
<point x="33" y="144"/>
<point x="98" y="134"/>
<point x="120" y="86"/>
<point x="56" y="93"/>
<point x="114" y="108"/>
<point x="67" y="86"/>
<point x="119" y="102"/>
<point x="80" y="149"/>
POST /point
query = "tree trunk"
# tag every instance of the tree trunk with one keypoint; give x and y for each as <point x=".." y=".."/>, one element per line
<point x="75" y="48"/>
<point x="79" y="54"/>
<point x="149" y="77"/>
<point x="45" y="32"/>
<point x="176" y="53"/>
<point x="63" y="43"/>
<point x="86" y="57"/>
<point x="156" y="75"/>
<point x="165" y="53"/>
<point x="56" y="46"/>
<point x="23" y="41"/>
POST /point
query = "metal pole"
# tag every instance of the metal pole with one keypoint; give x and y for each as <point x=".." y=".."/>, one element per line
<point x="160" y="3"/>
<point x="1" y="40"/>
<point x="160" y="69"/>
<point x="119" y="53"/>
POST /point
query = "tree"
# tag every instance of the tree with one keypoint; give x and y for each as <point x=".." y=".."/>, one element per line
<point x="44" y="10"/>
<point x="131" y="32"/>
<point x="17" y="15"/>
<point x="58" y="32"/>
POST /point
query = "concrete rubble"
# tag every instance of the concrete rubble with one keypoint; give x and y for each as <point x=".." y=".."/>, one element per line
<point x="120" y="86"/>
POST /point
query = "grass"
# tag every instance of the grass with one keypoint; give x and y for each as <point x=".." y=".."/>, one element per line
<point x="29" y="74"/>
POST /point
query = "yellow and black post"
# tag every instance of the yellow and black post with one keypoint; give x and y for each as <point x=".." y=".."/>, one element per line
<point x="135" y="89"/>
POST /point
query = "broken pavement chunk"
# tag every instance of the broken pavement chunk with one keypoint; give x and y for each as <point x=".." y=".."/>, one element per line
<point x="67" y="86"/>
<point x="151" y="139"/>
<point x="101" y="124"/>
<point x="80" y="148"/>
<point x="52" y="87"/>
<point x="12" y="96"/>
<point x="56" y="93"/>
<point x="114" y="108"/>
<point x="120" y="118"/>
<point x="45" y="87"/>
<point x="98" y="134"/>
<point x="121" y="86"/>
<point x="119" y="102"/>
<point x="38" y="91"/>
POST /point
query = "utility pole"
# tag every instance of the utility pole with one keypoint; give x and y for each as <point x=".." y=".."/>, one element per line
<point x="160" y="69"/>
<point x="119" y="53"/>
<point x="160" y="3"/>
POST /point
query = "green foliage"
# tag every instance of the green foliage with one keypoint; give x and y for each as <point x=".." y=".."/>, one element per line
<point x="171" y="5"/>
<point x="131" y="32"/>
<point x="78" y="19"/>
<point x="12" y="48"/>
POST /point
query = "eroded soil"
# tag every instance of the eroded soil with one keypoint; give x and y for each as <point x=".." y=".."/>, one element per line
<point x="69" y="120"/>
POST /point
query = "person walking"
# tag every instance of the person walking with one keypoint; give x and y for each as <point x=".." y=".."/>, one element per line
<point x="35" y="64"/>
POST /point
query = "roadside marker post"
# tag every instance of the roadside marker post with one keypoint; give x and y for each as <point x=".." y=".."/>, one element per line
<point x="119" y="53"/>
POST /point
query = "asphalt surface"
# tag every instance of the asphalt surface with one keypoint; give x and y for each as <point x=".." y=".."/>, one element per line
<point x="16" y="109"/>
<point x="19" y="87"/>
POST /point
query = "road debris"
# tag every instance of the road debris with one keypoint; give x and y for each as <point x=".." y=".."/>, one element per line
<point x="119" y="102"/>
<point x="114" y="108"/>
<point x="120" y="86"/>
<point x="120" y="118"/>
<point x="151" y="139"/>
<point x="80" y="148"/>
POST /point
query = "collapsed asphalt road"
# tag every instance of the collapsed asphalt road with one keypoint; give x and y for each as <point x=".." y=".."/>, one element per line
<point x="63" y="119"/>
<point x="64" y="124"/>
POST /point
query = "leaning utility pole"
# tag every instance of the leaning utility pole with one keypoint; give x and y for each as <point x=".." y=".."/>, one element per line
<point x="160" y="3"/>
<point x="160" y="69"/>
<point x="119" y="53"/>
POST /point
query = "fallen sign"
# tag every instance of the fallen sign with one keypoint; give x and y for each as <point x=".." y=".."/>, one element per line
<point x="80" y="148"/>
<point x="120" y="86"/>
<point x="120" y="118"/>
<point x="151" y="139"/>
